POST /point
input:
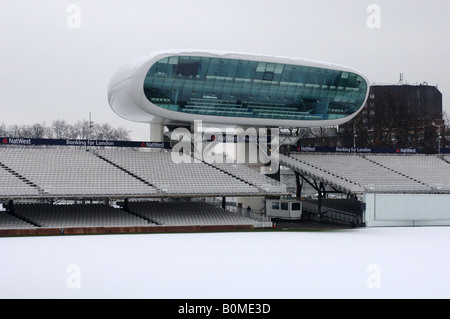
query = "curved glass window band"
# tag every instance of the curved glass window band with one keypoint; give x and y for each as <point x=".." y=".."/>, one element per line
<point x="241" y="88"/>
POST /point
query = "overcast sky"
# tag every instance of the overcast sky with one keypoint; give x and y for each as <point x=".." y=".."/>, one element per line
<point x="56" y="59"/>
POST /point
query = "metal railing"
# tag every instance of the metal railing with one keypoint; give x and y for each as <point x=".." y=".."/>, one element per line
<point x="339" y="217"/>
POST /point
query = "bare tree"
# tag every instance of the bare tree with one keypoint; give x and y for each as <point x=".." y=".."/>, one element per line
<point x="15" y="130"/>
<point x="102" y="131"/>
<point x="3" y="131"/>
<point x="61" y="129"/>
<point x="122" y="134"/>
<point x="84" y="129"/>
<point x="73" y="132"/>
<point x="38" y="130"/>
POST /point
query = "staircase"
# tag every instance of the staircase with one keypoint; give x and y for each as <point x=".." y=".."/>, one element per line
<point x="23" y="179"/>
<point x="126" y="171"/>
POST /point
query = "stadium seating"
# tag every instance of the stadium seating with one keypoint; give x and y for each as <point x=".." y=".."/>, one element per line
<point x="426" y="169"/>
<point x="53" y="172"/>
<point x="71" y="172"/>
<point x="8" y="221"/>
<point x="173" y="178"/>
<point x="355" y="173"/>
<point x="75" y="172"/>
<point x="267" y="184"/>
<point x="149" y="213"/>
<point x="78" y="215"/>
<point x="187" y="213"/>
<point x="28" y="172"/>
<point x="339" y="182"/>
<point x="12" y="186"/>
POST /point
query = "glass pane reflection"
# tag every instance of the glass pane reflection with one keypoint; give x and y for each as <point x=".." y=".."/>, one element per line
<point x="241" y="88"/>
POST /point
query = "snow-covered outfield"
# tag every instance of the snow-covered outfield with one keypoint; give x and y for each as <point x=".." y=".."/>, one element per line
<point x="360" y="263"/>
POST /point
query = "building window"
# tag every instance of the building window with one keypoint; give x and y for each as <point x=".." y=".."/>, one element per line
<point x="242" y="89"/>
<point x="268" y="76"/>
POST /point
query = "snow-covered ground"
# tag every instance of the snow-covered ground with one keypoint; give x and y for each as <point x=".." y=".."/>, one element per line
<point x="361" y="263"/>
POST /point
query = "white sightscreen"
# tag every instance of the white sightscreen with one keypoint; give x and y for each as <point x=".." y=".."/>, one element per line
<point x="387" y="209"/>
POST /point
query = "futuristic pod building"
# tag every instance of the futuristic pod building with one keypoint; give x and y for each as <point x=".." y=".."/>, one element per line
<point x="181" y="86"/>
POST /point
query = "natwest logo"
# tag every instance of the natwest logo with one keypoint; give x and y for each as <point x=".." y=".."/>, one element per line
<point x="5" y="141"/>
<point x="19" y="141"/>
